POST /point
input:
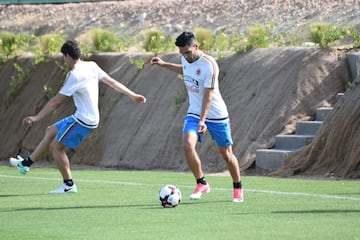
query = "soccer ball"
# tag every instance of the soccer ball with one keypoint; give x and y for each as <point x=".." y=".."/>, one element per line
<point x="169" y="196"/>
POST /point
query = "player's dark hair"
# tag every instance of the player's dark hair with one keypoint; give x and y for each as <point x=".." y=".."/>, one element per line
<point x="185" y="39"/>
<point x="72" y="49"/>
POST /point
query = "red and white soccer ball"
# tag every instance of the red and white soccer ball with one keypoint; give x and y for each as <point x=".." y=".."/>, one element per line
<point x="169" y="196"/>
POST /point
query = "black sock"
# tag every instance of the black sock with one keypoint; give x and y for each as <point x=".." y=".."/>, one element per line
<point x="237" y="184"/>
<point x="201" y="180"/>
<point x="68" y="182"/>
<point x="27" y="162"/>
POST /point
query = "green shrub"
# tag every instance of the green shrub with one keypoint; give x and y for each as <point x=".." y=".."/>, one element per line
<point x="7" y="43"/>
<point x="137" y="61"/>
<point x="106" y="41"/>
<point x="238" y="42"/>
<point x="155" y="41"/>
<point x="294" y="38"/>
<point x="51" y="43"/>
<point x="48" y="91"/>
<point x="221" y="42"/>
<point x="180" y="97"/>
<point x="204" y="37"/>
<point x="16" y="83"/>
<point x="259" y="36"/>
<point x="323" y="33"/>
<point x="24" y="41"/>
<point x="11" y="44"/>
<point x="355" y="35"/>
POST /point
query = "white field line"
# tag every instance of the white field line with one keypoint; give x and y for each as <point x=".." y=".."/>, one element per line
<point x="326" y="196"/>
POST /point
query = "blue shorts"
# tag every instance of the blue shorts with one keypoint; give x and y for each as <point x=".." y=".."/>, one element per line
<point x="219" y="131"/>
<point x="71" y="133"/>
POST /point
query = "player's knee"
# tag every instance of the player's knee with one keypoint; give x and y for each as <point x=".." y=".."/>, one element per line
<point x="55" y="147"/>
<point x="226" y="154"/>
<point x="52" y="146"/>
<point x="227" y="158"/>
<point x="188" y="146"/>
<point x="50" y="133"/>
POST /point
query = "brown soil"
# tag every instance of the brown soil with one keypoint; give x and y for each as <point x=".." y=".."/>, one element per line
<point x="266" y="90"/>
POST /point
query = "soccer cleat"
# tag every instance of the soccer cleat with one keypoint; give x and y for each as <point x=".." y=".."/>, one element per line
<point x="238" y="195"/>
<point x="17" y="162"/>
<point x="65" y="189"/>
<point x="200" y="190"/>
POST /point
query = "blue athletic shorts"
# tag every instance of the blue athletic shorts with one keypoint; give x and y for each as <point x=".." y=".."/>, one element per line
<point x="219" y="131"/>
<point x="71" y="133"/>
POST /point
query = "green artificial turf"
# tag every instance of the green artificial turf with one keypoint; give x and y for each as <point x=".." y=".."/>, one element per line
<point x="124" y="205"/>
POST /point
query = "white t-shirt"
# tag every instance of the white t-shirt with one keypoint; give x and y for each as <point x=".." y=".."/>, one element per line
<point x="201" y="74"/>
<point x="82" y="83"/>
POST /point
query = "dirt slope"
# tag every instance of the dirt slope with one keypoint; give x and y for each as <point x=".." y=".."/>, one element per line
<point x="265" y="89"/>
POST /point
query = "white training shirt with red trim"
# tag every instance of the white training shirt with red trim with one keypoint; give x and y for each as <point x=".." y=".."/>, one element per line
<point x="198" y="75"/>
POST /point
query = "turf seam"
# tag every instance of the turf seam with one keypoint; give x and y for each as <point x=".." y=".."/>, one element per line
<point x="325" y="196"/>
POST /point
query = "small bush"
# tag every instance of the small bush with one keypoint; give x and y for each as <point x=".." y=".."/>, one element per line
<point x="355" y="35"/>
<point x="238" y="42"/>
<point x="16" y="83"/>
<point x="138" y="62"/>
<point x="51" y="43"/>
<point x="106" y="41"/>
<point x="155" y="41"/>
<point x="204" y="37"/>
<point x="180" y="97"/>
<point x="7" y="43"/>
<point x="221" y="42"/>
<point x="259" y="36"/>
<point x="24" y="41"/>
<point x="323" y="33"/>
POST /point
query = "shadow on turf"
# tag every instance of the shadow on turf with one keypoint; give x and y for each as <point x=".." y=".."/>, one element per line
<point x="21" y="195"/>
<point x="317" y="211"/>
<point x="145" y="206"/>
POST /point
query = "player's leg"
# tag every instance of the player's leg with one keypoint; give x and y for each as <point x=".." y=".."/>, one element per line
<point x="44" y="146"/>
<point x="220" y="132"/>
<point x="231" y="162"/>
<point x="63" y="164"/>
<point x="192" y="158"/>
<point x="70" y="134"/>
<point x="24" y="165"/>
<point x="61" y="159"/>
<point x="190" y="139"/>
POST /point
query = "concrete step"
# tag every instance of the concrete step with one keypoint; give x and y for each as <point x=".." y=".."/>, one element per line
<point x="307" y="127"/>
<point x="339" y="95"/>
<point x="271" y="159"/>
<point x="292" y="141"/>
<point x="322" y="112"/>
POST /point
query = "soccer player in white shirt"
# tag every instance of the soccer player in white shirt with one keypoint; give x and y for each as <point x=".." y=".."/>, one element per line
<point x="82" y="85"/>
<point x="207" y="111"/>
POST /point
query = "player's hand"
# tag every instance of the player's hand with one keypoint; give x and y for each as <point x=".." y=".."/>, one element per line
<point x="29" y="120"/>
<point x="202" y="127"/>
<point x="157" y="60"/>
<point x="139" y="98"/>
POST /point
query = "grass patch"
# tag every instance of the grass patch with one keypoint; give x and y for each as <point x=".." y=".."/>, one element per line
<point x="124" y="205"/>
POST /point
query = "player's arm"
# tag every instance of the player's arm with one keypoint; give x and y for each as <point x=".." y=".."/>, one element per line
<point x="205" y="107"/>
<point x="50" y="106"/>
<point x="171" y="66"/>
<point x="123" y="89"/>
